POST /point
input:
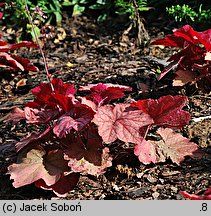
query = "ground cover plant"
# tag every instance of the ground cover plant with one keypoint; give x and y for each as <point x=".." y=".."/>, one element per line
<point x="75" y="128"/>
<point x="192" y="62"/>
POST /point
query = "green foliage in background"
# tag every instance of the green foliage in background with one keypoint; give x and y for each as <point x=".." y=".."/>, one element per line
<point x="129" y="7"/>
<point x="189" y="14"/>
<point x="55" y="8"/>
<point x="17" y="13"/>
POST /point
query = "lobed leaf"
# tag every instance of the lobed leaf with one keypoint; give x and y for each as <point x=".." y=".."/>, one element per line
<point x="87" y="145"/>
<point x="76" y="119"/>
<point x="36" y="165"/>
<point x="104" y="93"/>
<point x="146" y="152"/>
<point x="115" y="122"/>
<point x="166" y="111"/>
<point x="33" y="137"/>
<point x="195" y="49"/>
<point x="85" y="167"/>
<point x="62" y="97"/>
<point x="42" y="116"/>
<point x="174" y="145"/>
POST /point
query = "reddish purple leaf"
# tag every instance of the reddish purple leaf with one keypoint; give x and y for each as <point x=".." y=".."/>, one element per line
<point x="87" y="145"/>
<point x="104" y="93"/>
<point x="192" y="53"/>
<point x="188" y="34"/>
<point x="5" y="47"/>
<point x="61" y="101"/>
<point x="15" y="62"/>
<point x="205" y="38"/>
<point x="27" y="65"/>
<point x="62" y="186"/>
<point x="180" y="38"/>
<point x="116" y="123"/>
<point x="166" y="111"/>
<point x="33" y="137"/>
<point x="62" y="97"/>
<point x="35" y="116"/>
<point x="170" y="40"/>
<point x="63" y="88"/>
<point x="205" y="196"/>
<point x="77" y="119"/>
<point x="35" y="165"/>
<point x="7" y="60"/>
<point x="64" y="125"/>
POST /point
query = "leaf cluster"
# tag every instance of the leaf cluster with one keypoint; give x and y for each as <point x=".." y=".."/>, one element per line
<point x="193" y="61"/>
<point x="77" y="133"/>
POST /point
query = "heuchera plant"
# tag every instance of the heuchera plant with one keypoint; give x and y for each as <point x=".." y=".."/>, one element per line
<point x="193" y="61"/>
<point x="77" y="133"/>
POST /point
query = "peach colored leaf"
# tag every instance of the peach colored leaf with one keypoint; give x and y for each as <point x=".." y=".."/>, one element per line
<point x="36" y="116"/>
<point x="85" y="167"/>
<point x="208" y="56"/>
<point x="88" y="103"/>
<point x="174" y="146"/>
<point x="115" y="122"/>
<point x="36" y="165"/>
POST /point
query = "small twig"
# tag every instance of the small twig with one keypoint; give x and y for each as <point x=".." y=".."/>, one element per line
<point x="201" y="118"/>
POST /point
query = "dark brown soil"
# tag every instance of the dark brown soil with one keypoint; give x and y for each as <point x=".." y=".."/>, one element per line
<point x="92" y="53"/>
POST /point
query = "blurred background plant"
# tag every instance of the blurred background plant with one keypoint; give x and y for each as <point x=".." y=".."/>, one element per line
<point x="186" y="13"/>
<point x="137" y="13"/>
